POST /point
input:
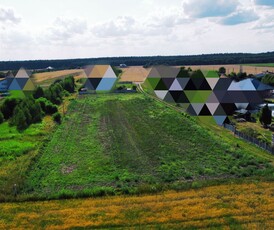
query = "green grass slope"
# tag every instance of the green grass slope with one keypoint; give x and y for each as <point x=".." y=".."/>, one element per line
<point x="111" y="144"/>
<point x="17" y="149"/>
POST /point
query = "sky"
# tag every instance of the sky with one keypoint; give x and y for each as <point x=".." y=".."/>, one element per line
<point x="63" y="29"/>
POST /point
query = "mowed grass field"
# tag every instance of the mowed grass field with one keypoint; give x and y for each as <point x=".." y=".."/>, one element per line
<point x="129" y="144"/>
<point x="249" y="69"/>
<point x="245" y="206"/>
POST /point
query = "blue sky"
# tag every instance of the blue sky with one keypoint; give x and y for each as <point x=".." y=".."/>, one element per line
<point x="53" y="29"/>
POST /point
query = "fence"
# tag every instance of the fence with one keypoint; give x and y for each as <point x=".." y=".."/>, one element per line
<point x="247" y="138"/>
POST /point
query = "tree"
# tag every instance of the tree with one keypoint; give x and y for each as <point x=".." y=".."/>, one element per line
<point x="39" y="92"/>
<point x="57" y="117"/>
<point x="265" y="116"/>
<point x="69" y="84"/>
<point x="19" y="119"/>
<point x="8" y="106"/>
<point x="222" y="70"/>
<point x="51" y="108"/>
<point x="1" y="118"/>
<point x="27" y="112"/>
<point x="268" y="79"/>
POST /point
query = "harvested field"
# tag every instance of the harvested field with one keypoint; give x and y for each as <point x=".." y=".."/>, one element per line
<point x="134" y="74"/>
<point x="47" y="78"/>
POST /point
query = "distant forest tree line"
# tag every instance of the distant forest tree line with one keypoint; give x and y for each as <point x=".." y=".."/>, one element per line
<point x="205" y="59"/>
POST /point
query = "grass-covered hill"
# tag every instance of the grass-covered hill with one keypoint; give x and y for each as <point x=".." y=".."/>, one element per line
<point x="112" y="144"/>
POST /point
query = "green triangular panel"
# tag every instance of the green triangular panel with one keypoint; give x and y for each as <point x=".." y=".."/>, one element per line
<point x="29" y="86"/>
<point x="190" y="95"/>
<point x="161" y="85"/>
<point x="207" y="119"/>
<point x="197" y="98"/>
<point x="153" y="82"/>
<point x="205" y="72"/>
<point x="212" y="74"/>
<point x="184" y="105"/>
<point x="197" y="74"/>
<point x="204" y="95"/>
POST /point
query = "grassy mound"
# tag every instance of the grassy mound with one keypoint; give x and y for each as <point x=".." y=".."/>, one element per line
<point x="111" y="144"/>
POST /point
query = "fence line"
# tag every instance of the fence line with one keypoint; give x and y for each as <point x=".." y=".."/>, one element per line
<point x="250" y="139"/>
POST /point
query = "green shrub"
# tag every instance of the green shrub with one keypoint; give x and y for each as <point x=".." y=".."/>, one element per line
<point x="39" y="92"/>
<point x="1" y="117"/>
<point x="27" y="112"/>
<point x="57" y="117"/>
<point x="51" y="108"/>
<point x="8" y="106"/>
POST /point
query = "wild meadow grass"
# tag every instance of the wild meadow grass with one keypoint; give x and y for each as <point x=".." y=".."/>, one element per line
<point x="127" y="144"/>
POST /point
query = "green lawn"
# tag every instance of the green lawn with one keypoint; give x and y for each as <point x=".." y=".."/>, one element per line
<point x="111" y="144"/>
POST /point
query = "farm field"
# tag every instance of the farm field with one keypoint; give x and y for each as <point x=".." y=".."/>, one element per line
<point x="245" y="206"/>
<point x="134" y="74"/>
<point x="262" y="65"/>
<point x="256" y="69"/>
<point x="120" y="144"/>
<point x="46" y="78"/>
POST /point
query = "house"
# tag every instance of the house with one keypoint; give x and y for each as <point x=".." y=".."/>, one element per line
<point x="49" y="68"/>
<point x="122" y="65"/>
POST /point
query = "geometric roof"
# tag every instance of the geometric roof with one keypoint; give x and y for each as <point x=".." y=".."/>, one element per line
<point x="204" y="93"/>
<point x="21" y="81"/>
<point x="99" y="77"/>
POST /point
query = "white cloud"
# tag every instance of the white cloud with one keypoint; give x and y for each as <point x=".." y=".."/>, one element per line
<point x="66" y="28"/>
<point x="239" y="17"/>
<point x="160" y="22"/>
<point x="145" y="27"/>
<point x="8" y="15"/>
<point x="119" y="27"/>
<point x="209" y="8"/>
<point x="266" y="22"/>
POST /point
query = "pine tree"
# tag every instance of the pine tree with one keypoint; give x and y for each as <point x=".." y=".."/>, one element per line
<point x="266" y="116"/>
